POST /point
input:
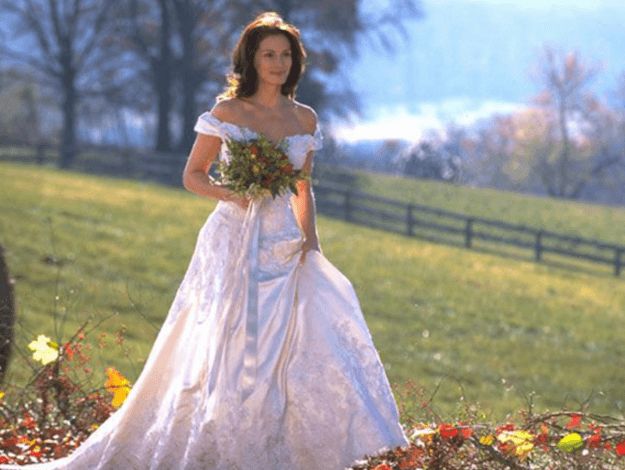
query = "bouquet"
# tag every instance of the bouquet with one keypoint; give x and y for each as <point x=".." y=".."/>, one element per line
<point x="258" y="168"/>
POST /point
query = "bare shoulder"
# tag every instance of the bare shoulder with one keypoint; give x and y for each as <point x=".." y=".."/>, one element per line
<point x="307" y="116"/>
<point x="227" y="110"/>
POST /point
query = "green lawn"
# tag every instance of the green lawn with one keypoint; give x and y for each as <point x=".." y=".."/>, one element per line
<point x="498" y="326"/>
<point x="571" y="217"/>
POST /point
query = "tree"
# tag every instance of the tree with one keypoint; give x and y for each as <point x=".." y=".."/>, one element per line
<point x="332" y="32"/>
<point x="200" y="29"/>
<point x="432" y="159"/>
<point x="146" y="31"/>
<point x="570" y="111"/>
<point x="62" y="47"/>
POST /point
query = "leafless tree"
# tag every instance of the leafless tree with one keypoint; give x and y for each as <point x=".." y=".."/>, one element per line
<point x="572" y="112"/>
<point x="61" y="43"/>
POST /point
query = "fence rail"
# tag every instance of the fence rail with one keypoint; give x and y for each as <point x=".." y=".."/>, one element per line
<point x="412" y="219"/>
<point x="355" y="206"/>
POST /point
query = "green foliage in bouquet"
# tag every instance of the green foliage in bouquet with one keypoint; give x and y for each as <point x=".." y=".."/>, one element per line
<point x="258" y="168"/>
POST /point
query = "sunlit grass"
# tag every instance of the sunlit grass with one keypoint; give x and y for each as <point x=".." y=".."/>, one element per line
<point x="500" y="326"/>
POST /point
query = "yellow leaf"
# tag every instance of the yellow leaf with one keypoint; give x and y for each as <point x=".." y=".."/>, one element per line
<point x="45" y="350"/>
<point x="1" y="395"/>
<point x="118" y="385"/>
<point x="522" y="440"/>
<point x="571" y="442"/>
<point x="487" y="440"/>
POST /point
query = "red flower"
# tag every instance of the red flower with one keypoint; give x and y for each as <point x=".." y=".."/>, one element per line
<point x="620" y="448"/>
<point x="69" y="352"/>
<point x="447" y="431"/>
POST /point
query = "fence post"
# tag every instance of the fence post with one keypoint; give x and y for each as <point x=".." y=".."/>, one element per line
<point x="409" y="220"/>
<point x="468" y="232"/>
<point x="348" y="205"/>
<point x="538" y="246"/>
<point x="618" y="261"/>
<point x="40" y="155"/>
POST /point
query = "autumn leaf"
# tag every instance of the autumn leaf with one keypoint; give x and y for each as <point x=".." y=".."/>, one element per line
<point x="45" y="350"/>
<point x="575" y="422"/>
<point x="504" y="427"/>
<point x="522" y="440"/>
<point x="620" y="448"/>
<point x="118" y="385"/>
<point x="382" y="466"/>
<point x="571" y="442"/>
<point x="447" y="431"/>
<point x="594" y="441"/>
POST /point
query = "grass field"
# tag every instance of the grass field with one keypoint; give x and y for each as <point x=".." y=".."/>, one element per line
<point x="499" y="327"/>
<point x="576" y="218"/>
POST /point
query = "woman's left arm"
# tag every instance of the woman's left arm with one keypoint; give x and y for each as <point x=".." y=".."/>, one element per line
<point x="305" y="211"/>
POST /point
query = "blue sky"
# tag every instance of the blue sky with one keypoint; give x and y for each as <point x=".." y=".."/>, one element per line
<point x="468" y="59"/>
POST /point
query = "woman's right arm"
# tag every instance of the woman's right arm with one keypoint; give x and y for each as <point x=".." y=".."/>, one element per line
<point x="195" y="175"/>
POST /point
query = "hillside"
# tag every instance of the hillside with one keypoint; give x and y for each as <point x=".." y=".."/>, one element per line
<point x="606" y="223"/>
<point x="500" y="327"/>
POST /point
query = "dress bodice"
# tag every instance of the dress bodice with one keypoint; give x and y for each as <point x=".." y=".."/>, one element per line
<point x="278" y="236"/>
<point x="297" y="145"/>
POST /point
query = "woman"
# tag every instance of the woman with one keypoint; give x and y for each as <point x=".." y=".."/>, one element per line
<point x="264" y="360"/>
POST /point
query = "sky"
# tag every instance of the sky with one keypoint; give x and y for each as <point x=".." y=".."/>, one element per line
<point x="468" y="59"/>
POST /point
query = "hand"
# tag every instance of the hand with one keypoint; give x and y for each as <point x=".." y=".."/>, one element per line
<point x="308" y="245"/>
<point x="240" y="201"/>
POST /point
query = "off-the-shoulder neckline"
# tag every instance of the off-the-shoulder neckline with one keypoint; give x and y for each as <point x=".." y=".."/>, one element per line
<point x="259" y="133"/>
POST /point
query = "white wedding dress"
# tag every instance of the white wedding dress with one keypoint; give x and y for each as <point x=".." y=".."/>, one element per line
<point x="263" y="361"/>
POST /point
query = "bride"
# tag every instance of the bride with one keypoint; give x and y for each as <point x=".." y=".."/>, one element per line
<point x="264" y="360"/>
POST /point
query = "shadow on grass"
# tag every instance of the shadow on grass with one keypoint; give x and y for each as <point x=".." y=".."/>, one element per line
<point x="502" y="250"/>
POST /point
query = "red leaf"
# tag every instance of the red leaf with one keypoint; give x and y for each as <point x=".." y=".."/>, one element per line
<point x="447" y="431"/>
<point x="575" y="421"/>
<point x="620" y="448"/>
<point x="504" y="427"/>
<point x="594" y="441"/>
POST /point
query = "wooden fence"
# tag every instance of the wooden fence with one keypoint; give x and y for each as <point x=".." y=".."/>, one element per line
<point x="415" y="219"/>
<point x="357" y="207"/>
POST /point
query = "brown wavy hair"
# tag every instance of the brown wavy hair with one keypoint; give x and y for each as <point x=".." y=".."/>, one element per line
<point x="243" y="80"/>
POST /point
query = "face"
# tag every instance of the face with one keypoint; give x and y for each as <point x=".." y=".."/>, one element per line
<point x="273" y="59"/>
